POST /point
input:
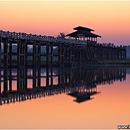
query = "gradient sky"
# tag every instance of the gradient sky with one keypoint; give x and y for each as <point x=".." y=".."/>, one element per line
<point x="110" y="19"/>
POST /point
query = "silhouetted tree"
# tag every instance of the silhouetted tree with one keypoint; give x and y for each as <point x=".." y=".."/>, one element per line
<point x="61" y="35"/>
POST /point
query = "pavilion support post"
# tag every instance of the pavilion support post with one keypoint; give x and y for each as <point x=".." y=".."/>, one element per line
<point x="74" y="53"/>
<point x="87" y="55"/>
<point x="76" y="56"/>
<point x="90" y="52"/>
<point x="65" y="54"/>
<point x="82" y="54"/>
<point x="70" y="55"/>
<point x="80" y="57"/>
<point x="62" y="54"/>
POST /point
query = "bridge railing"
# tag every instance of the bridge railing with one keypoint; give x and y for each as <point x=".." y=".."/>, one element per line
<point x="14" y="35"/>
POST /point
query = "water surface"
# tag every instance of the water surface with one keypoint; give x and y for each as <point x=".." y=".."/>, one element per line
<point x="64" y="98"/>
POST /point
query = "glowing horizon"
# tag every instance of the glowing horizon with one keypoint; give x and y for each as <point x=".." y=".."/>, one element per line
<point x="110" y="19"/>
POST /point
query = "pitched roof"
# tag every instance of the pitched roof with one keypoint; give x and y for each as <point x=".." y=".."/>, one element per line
<point x="82" y="33"/>
<point x="83" y="28"/>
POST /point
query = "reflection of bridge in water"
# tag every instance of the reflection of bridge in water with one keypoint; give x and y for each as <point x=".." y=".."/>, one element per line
<point x="28" y="83"/>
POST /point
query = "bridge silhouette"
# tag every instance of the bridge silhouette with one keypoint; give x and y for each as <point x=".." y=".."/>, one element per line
<point x="22" y="50"/>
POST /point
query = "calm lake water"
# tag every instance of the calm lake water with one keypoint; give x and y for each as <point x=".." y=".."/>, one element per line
<point x="65" y="98"/>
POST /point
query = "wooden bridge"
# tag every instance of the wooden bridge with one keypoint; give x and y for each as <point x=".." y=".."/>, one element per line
<point x="22" y="50"/>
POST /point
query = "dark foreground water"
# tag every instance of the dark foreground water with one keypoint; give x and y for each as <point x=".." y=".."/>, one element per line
<point x="64" y="98"/>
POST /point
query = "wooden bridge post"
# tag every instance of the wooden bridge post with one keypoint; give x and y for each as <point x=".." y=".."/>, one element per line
<point x="25" y="64"/>
<point x="34" y="54"/>
<point x="39" y="53"/>
<point x="18" y="53"/>
<point x="120" y="53"/>
<point x="39" y="79"/>
<point x="75" y="54"/>
<point x="124" y="52"/>
<point x="52" y="59"/>
<point x="59" y="54"/>
<point x="47" y="54"/>
<point x="10" y="52"/>
<point x="5" y="64"/>
<point x="63" y="55"/>
<point x="72" y="54"/>
<point x="47" y="64"/>
<point x="51" y="76"/>
<point x="59" y="76"/>
<point x="5" y="80"/>
<point x="0" y="50"/>
<point x="47" y="76"/>
<point x="34" y="78"/>
<point x="5" y="52"/>
<point x="80" y="54"/>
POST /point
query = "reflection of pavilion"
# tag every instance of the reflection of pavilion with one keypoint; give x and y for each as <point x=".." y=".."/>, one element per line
<point x="84" y="94"/>
<point x="27" y="83"/>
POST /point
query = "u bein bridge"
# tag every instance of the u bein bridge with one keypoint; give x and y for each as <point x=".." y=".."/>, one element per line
<point x="22" y="50"/>
<point x="23" y="84"/>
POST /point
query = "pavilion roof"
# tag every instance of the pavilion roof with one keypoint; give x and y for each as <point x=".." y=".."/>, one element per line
<point x="82" y="33"/>
<point x="83" y="28"/>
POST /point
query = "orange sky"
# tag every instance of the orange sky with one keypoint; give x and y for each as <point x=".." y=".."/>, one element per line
<point x="108" y="19"/>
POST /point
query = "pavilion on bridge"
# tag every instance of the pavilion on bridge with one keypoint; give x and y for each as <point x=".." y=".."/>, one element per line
<point x="83" y="33"/>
